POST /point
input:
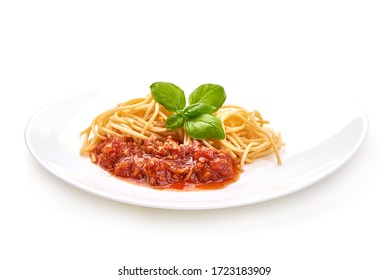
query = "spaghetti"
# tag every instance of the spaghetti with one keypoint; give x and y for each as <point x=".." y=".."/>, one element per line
<point x="247" y="137"/>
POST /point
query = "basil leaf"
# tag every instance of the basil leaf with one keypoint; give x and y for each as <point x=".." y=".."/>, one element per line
<point x="210" y="94"/>
<point x="205" y="127"/>
<point x="175" y="122"/>
<point x="169" y="95"/>
<point x="198" y="109"/>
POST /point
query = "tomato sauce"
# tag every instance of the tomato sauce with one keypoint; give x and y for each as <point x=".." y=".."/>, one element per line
<point x="167" y="164"/>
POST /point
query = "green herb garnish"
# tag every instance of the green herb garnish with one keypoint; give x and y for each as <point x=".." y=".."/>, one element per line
<point x="196" y="118"/>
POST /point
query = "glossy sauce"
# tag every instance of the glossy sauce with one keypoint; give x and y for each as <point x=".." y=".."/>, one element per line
<point x="167" y="164"/>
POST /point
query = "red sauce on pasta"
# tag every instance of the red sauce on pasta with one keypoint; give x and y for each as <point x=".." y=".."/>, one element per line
<point x="167" y="164"/>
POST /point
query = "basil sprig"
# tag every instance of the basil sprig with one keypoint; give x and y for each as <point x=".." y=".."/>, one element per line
<point x="196" y="118"/>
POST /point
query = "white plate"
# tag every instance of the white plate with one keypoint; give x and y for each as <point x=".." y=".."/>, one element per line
<point x="320" y="135"/>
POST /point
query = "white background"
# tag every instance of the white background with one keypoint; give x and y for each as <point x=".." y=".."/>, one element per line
<point x="335" y="229"/>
